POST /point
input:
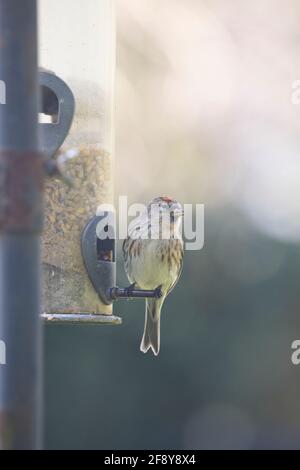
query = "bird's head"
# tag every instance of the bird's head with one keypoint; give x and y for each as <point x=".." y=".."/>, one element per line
<point x="165" y="204"/>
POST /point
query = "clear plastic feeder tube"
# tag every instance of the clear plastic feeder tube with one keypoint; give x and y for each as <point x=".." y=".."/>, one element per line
<point x="77" y="43"/>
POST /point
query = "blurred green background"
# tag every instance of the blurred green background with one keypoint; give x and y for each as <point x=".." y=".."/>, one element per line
<point x="204" y="114"/>
<point x="223" y="378"/>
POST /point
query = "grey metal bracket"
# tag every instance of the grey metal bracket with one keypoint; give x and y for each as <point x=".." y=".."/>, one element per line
<point x="57" y="100"/>
<point x="98" y="251"/>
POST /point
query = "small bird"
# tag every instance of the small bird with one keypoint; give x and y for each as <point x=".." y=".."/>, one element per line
<point x="153" y="257"/>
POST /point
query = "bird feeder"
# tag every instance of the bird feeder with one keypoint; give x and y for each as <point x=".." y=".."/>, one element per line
<point x="76" y="81"/>
<point x="77" y="54"/>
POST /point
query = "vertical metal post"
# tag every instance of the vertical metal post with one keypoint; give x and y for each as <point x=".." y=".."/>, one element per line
<point x="21" y="178"/>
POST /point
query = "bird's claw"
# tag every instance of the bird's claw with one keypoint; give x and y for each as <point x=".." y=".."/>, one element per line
<point x="158" y="292"/>
<point x="129" y="290"/>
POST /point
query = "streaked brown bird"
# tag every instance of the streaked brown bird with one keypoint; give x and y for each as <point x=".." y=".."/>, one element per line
<point x="153" y="257"/>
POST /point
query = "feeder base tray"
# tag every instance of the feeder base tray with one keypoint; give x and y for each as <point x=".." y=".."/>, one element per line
<point x="87" y="318"/>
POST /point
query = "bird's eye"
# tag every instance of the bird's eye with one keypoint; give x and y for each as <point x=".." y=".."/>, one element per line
<point x="176" y="208"/>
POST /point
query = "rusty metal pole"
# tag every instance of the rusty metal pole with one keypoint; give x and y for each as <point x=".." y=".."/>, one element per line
<point x="20" y="226"/>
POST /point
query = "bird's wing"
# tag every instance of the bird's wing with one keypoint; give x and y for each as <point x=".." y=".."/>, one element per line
<point x="125" y="248"/>
<point x="179" y="270"/>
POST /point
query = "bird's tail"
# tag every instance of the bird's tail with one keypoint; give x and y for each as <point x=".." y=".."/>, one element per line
<point x="151" y="336"/>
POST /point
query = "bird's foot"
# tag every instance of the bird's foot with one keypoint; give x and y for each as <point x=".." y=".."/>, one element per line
<point x="158" y="292"/>
<point x="129" y="290"/>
